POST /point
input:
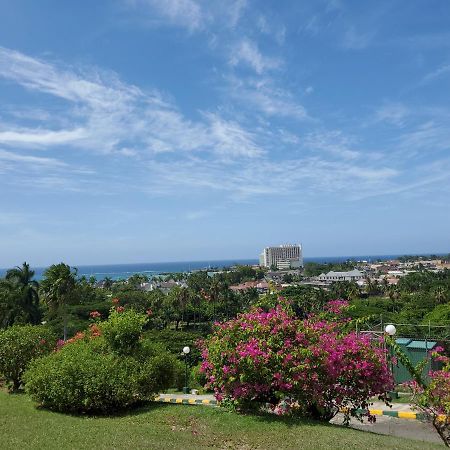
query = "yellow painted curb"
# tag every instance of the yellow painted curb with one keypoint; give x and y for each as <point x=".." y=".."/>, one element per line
<point x="407" y="415"/>
<point x="376" y="412"/>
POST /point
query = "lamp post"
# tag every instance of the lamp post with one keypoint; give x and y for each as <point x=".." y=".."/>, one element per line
<point x="186" y="351"/>
<point x="390" y="330"/>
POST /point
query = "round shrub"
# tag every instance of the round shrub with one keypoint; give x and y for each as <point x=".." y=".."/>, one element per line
<point x="92" y="373"/>
<point x="19" y="345"/>
<point x="311" y="366"/>
<point x="82" y="377"/>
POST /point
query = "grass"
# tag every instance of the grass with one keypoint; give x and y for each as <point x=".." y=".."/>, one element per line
<point x="403" y="398"/>
<point x="163" y="426"/>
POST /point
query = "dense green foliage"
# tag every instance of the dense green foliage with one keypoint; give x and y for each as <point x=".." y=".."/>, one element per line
<point x="19" y="345"/>
<point x="313" y="269"/>
<point x="65" y="301"/>
<point x="83" y="377"/>
<point x="19" y="299"/>
<point x="107" y="369"/>
<point x="122" y="331"/>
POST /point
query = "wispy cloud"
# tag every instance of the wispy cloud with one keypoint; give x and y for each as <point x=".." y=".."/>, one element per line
<point x="196" y="215"/>
<point x="334" y="143"/>
<point x="31" y="160"/>
<point x="167" y="153"/>
<point x="193" y="15"/>
<point x="425" y="139"/>
<point x="26" y="137"/>
<point x="278" y="32"/>
<point x="355" y="40"/>
<point x="185" y="13"/>
<point x="262" y="95"/>
<point x="393" y="113"/>
<point x="435" y="74"/>
<point x="108" y="116"/>
<point x="246" y="52"/>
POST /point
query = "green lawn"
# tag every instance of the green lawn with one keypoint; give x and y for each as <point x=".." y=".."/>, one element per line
<point x="163" y="426"/>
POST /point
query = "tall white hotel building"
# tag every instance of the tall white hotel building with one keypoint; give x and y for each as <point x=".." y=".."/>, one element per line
<point x="283" y="257"/>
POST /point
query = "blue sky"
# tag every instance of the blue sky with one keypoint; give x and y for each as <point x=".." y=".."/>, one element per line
<point x="146" y="130"/>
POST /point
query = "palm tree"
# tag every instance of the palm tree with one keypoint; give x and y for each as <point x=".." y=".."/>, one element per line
<point x="58" y="288"/>
<point x="107" y="282"/>
<point x="21" y="280"/>
<point x="440" y="294"/>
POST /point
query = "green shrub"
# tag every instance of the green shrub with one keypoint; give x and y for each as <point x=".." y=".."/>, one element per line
<point x="106" y="369"/>
<point x="122" y="330"/>
<point x="198" y="377"/>
<point x="19" y="345"/>
<point x="83" y="377"/>
<point x="174" y="341"/>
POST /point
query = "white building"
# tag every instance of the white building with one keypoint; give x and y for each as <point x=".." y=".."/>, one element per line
<point x="352" y="275"/>
<point x="283" y="257"/>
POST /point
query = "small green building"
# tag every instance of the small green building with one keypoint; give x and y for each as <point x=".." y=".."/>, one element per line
<point x="417" y="350"/>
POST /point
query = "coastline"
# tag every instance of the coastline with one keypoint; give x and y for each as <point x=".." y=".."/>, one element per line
<point x="124" y="271"/>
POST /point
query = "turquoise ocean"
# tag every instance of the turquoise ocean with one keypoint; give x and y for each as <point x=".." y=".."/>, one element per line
<point x="124" y="271"/>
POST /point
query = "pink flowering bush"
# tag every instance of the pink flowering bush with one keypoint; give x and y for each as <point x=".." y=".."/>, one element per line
<point x="432" y="395"/>
<point x="312" y="367"/>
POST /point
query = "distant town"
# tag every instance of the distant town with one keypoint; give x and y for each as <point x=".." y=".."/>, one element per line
<point x="283" y="266"/>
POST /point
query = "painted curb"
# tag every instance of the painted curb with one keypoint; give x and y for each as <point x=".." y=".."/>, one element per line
<point x="397" y="414"/>
<point x="186" y="401"/>
<point x="374" y="412"/>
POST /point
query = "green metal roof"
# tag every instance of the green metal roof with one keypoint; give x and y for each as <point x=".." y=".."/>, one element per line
<point x="428" y="345"/>
<point x="403" y="341"/>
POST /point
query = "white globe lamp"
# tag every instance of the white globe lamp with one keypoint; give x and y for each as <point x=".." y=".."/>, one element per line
<point x="390" y="329"/>
<point x="186" y="351"/>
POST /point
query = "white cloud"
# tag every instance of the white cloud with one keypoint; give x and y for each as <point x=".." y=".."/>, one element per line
<point x="31" y="160"/>
<point x="246" y="52"/>
<point x="41" y="137"/>
<point x="106" y="115"/>
<point x="167" y="153"/>
<point x="334" y="143"/>
<point x="440" y="71"/>
<point x="309" y="176"/>
<point x="428" y="137"/>
<point x="265" y="97"/>
<point x="185" y="13"/>
<point x="193" y="15"/>
<point x="394" y="113"/>
<point x="277" y="32"/>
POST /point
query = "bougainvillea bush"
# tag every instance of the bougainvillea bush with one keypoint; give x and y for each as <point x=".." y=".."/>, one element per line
<point x="431" y="394"/>
<point x="107" y="368"/>
<point x="313" y="367"/>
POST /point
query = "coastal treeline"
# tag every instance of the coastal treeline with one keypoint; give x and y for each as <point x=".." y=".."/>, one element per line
<point x="193" y="302"/>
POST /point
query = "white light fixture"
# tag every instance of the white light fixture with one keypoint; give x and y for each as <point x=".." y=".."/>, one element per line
<point x="390" y="329"/>
<point x="186" y="350"/>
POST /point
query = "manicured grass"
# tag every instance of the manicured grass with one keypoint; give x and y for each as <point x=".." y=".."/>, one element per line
<point x="403" y="398"/>
<point x="163" y="426"/>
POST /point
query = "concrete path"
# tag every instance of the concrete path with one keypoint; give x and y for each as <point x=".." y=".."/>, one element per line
<point x="391" y="426"/>
<point x="385" y="424"/>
